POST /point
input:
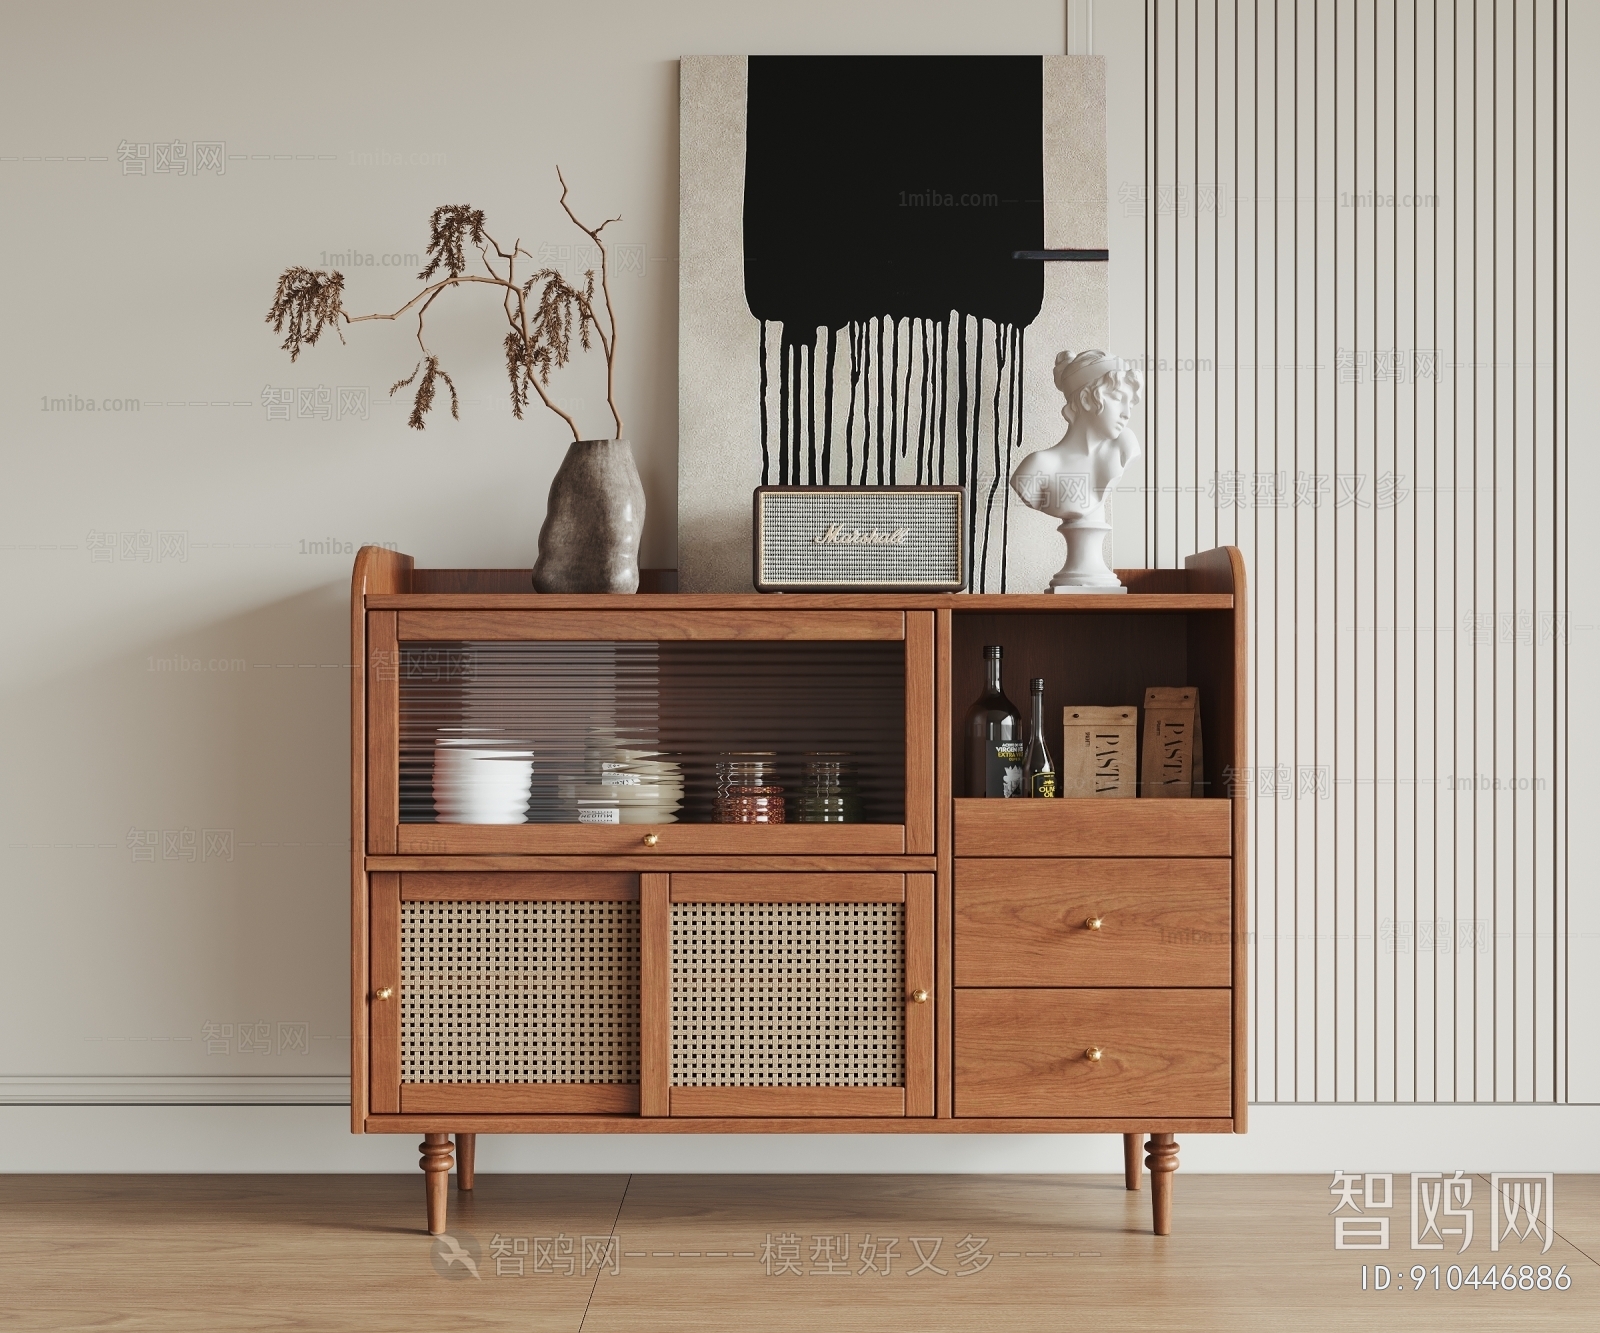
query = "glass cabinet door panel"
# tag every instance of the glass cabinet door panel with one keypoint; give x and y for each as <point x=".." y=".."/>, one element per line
<point x="616" y="732"/>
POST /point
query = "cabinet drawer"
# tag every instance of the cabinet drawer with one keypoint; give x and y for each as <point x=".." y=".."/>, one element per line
<point x="1025" y="922"/>
<point x="1024" y="1053"/>
<point x="1088" y="827"/>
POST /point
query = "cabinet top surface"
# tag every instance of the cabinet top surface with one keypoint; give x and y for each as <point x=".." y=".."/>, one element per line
<point x="388" y="580"/>
<point x="985" y="603"/>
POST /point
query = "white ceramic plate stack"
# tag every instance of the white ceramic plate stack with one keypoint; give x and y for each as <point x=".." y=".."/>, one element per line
<point x="655" y="792"/>
<point x="635" y="787"/>
<point x="477" y="781"/>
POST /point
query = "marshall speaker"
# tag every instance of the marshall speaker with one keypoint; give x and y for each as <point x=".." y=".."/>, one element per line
<point x="859" y="539"/>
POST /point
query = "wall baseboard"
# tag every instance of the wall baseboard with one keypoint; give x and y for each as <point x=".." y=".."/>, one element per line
<point x="1297" y="1140"/>
<point x="174" y="1090"/>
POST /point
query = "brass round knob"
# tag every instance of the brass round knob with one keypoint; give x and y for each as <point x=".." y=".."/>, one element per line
<point x="383" y="993"/>
<point x="651" y="839"/>
<point x="1093" y="1053"/>
<point x="919" y="997"/>
<point x="1093" y="923"/>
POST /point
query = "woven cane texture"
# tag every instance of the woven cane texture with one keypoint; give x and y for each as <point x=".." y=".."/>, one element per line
<point x="788" y="995"/>
<point x="519" y="992"/>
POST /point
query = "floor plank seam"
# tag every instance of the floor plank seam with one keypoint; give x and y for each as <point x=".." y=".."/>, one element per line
<point x="600" y="1272"/>
<point x="1554" y="1231"/>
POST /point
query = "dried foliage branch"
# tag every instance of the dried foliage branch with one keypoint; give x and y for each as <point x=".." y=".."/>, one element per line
<point x="308" y="301"/>
<point x="425" y="390"/>
<point x="547" y="343"/>
<point x="451" y="228"/>
<point x="540" y="327"/>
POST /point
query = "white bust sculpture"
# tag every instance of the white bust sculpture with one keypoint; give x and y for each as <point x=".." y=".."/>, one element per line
<point x="1070" y="481"/>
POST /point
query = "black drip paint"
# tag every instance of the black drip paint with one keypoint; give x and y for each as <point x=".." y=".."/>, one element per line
<point x="888" y="189"/>
<point x="961" y="399"/>
<point x="811" y="414"/>
<point x="879" y="439"/>
<point x="783" y="412"/>
<point x="871" y="395"/>
<point x="942" y="388"/>
<point x="827" y="403"/>
<point x="766" y="459"/>
<point x="922" y="406"/>
<point x="894" y="399"/>
<point x="972" y="485"/>
<point x="1001" y="338"/>
<point x="866" y="398"/>
<point x="850" y="413"/>
<point x="905" y="398"/>
<point x="797" y="414"/>
<point x="1013" y="442"/>
<point x="798" y="402"/>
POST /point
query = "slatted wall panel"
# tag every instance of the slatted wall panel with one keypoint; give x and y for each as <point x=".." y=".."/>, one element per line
<point x="1355" y="275"/>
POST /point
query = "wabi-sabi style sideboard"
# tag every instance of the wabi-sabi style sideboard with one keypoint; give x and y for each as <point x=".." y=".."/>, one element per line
<point x="620" y="963"/>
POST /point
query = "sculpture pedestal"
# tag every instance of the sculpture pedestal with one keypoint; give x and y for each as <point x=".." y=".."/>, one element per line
<point x="1086" y="569"/>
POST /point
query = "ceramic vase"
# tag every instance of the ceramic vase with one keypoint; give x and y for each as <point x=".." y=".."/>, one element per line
<point x="592" y="525"/>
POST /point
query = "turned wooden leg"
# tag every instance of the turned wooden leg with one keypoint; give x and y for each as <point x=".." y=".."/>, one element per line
<point x="466" y="1155"/>
<point x="1132" y="1167"/>
<point x="1162" y="1159"/>
<point x="435" y="1150"/>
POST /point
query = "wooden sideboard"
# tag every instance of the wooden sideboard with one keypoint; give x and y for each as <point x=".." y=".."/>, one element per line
<point x="946" y="965"/>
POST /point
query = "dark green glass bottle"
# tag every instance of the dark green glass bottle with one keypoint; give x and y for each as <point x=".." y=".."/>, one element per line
<point x="994" y="738"/>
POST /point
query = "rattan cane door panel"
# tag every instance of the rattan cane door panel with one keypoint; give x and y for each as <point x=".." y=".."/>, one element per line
<point x="512" y="1005"/>
<point x="790" y="995"/>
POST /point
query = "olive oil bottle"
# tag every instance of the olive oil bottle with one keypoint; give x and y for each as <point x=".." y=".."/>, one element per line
<point x="1037" y="770"/>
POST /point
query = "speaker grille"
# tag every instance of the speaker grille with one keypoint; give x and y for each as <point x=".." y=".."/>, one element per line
<point x="793" y="528"/>
<point x="519" y="992"/>
<point x="788" y="995"/>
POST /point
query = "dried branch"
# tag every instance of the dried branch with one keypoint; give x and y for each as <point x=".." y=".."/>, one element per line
<point x="608" y="337"/>
<point x="540" y="329"/>
<point x="308" y="300"/>
<point x="426" y="296"/>
<point x="424" y="399"/>
<point x="449" y="229"/>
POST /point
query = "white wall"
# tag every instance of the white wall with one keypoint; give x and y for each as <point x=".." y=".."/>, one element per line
<point x="196" y="681"/>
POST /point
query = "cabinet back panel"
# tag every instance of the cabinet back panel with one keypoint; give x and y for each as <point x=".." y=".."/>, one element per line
<point x="1099" y="659"/>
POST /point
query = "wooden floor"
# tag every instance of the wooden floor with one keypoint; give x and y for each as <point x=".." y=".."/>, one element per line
<point x="332" y="1253"/>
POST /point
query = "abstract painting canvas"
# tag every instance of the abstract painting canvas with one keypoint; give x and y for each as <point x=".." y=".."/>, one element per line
<point x="853" y="307"/>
